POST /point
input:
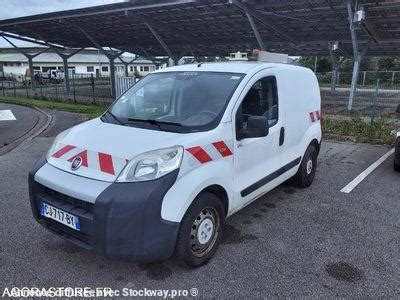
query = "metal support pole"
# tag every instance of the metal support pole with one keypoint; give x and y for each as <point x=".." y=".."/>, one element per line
<point x="335" y="67"/>
<point x="365" y="74"/>
<point x="32" y="73"/>
<point x="175" y="59"/>
<point x="354" y="79"/>
<point x="334" y="79"/>
<point x="126" y="64"/>
<point x="112" y="76"/>
<point x="15" y="90"/>
<point x="148" y="56"/>
<point x="111" y="58"/>
<point x="73" y="85"/>
<point x="66" y="73"/>
<point x="352" y="28"/>
<point x="93" y="91"/>
<point x="266" y="23"/>
<point x="255" y="30"/>
<point x="357" y="56"/>
<point x="159" y="39"/>
<point x="64" y="58"/>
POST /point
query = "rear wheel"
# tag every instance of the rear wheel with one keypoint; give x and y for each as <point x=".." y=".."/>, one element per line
<point x="308" y="167"/>
<point x="201" y="230"/>
<point x="396" y="167"/>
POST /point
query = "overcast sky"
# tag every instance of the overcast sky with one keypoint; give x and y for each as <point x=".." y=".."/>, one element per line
<point x="19" y="8"/>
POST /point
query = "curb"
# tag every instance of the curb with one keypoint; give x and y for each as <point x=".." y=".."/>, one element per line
<point x="30" y="134"/>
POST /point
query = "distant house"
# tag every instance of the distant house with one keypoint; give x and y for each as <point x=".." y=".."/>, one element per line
<point x="238" y="56"/>
<point x="87" y="61"/>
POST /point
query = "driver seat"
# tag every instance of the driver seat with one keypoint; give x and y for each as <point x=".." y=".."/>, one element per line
<point x="251" y="103"/>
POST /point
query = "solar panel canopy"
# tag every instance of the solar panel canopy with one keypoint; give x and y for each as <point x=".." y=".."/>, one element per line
<point x="218" y="27"/>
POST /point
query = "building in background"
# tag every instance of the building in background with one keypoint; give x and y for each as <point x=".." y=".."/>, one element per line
<point x="87" y="61"/>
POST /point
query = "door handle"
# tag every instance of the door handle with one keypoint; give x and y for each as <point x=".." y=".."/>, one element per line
<point x="282" y="136"/>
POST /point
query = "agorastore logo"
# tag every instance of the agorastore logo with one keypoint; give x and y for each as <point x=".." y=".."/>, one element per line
<point x="76" y="163"/>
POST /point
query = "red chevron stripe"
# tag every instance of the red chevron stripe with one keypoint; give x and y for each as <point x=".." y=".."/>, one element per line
<point x="222" y="148"/>
<point x="312" y="117"/>
<point x="63" y="150"/>
<point x="318" y="115"/>
<point x="199" y="154"/>
<point x="106" y="163"/>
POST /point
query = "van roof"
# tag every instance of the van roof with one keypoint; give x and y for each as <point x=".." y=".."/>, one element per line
<point x="244" y="67"/>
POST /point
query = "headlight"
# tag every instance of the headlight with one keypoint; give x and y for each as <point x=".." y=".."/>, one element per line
<point x="152" y="165"/>
<point x="55" y="143"/>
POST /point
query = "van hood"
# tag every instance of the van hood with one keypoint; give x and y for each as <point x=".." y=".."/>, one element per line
<point x="104" y="149"/>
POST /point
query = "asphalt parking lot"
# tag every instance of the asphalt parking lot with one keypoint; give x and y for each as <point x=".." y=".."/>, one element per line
<point x="291" y="242"/>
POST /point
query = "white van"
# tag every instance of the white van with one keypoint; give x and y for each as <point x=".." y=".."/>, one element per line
<point x="177" y="154"/>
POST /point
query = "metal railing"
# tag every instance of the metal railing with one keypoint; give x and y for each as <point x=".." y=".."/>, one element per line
<point x="123" y="84"/>
<point x="388" y="79"/>
<point x="84" y="88"/>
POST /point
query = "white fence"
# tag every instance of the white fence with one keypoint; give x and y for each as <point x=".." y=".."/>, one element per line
<point x="124" y="83"/>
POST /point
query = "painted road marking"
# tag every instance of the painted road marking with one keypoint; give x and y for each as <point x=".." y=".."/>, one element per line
<point x="6" y="115"/>
<point x="356" y="181"/>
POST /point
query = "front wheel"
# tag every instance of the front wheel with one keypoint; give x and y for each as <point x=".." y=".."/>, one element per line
<point x="201" y="230"/>
<point x="308" y="167"/>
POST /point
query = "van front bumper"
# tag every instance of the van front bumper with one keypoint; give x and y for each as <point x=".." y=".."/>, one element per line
<point x="123" y="223"/>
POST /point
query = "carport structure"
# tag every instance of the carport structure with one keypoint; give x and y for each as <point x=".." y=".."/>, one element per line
<point x="200" y="28"/>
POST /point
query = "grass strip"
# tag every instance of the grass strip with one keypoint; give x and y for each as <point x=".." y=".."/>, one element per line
<point x="90" y="110"/>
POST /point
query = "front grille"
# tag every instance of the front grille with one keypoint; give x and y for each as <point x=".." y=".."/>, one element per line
<point x="81" y="209"/>
<point x="64" y="200"/>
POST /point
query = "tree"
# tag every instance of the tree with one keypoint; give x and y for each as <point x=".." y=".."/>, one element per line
<point x="324" y="63"/>
<point x="389" y="63"/>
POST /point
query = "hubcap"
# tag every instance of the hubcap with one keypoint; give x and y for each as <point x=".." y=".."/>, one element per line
<point x="204" y="232"/>
<point x="309" y="166"/>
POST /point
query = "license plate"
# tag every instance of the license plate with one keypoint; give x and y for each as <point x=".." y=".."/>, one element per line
<point x="59" y="215"/>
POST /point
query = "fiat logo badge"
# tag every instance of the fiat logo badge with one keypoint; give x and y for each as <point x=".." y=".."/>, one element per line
<point x="76" y="163"/>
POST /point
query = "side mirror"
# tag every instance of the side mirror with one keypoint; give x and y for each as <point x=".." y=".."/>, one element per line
<point x="398" y="109"/>
<point x="257" y="126"/>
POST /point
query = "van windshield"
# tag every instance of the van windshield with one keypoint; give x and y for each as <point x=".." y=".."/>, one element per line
<point x="176" y="101"/>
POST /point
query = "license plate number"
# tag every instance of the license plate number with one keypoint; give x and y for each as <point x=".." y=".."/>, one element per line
<point x="59" y="215"/>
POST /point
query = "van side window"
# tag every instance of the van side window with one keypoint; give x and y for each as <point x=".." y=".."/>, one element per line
<point x="261" y="100"/>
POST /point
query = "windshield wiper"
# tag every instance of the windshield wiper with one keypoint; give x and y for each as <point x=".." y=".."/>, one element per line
<point x="155" y="122"/>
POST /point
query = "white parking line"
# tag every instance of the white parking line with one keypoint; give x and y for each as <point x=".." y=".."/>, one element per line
<point x="6" y="115"/>
<point x="356" y="181"/>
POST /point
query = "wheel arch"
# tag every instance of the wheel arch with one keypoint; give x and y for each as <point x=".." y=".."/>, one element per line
<point x="221" y="193"/>
<point x="316" y="144"/>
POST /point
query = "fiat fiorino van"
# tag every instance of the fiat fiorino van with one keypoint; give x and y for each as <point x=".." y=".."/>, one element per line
<point x="179" y="152"/>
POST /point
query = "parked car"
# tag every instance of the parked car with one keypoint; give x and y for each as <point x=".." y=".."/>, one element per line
<point x="53" y="76"/>
<point x="397" y="147"/>
<point x="182" y="150"/>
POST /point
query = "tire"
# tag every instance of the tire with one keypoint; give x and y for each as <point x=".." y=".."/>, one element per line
<point x="308" y="167"/>
<point x="200" y="232"/>
<point x="396" y="167"/>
